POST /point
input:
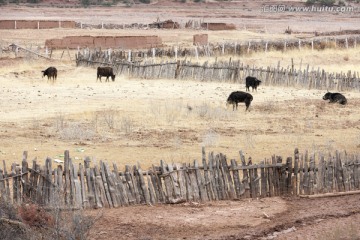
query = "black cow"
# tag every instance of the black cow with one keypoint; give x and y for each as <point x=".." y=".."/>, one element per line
<point x="335" y="97"/>
<point x="252" y="82"/>
<point x="238" y="96"/>
<point x="50" y="72"/>
<point x="105" y="72"/>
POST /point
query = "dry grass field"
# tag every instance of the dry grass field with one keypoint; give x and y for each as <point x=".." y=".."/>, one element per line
<point x="133" y="121"/>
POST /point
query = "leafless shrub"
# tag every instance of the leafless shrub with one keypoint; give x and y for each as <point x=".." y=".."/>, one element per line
<point x="168" y="112"/>
<point x="59" y="121"/>
<point x="202" y="110"/>
<point x="56" y="222"/>
<point x="76" y="131"/>
<point x="127" y="125"/>
<point x="11" y="225"/>
<point x="249" y="140"/>
<point x="109" y="117"/>
<point x="155" y="109"/>
<point x="95" y="121"/>
<point x="210" y="139"/>
<point x="207" y="111"/>
<point x="172" y="111"/>
<point x="35" y="216"/>
<point x="7" y="210"/>
<point x="72" y="224"/>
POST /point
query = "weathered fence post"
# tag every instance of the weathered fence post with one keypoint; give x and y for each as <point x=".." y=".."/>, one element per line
<point x="245" y="180"/>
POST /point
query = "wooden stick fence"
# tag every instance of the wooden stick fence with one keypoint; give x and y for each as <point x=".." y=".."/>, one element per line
<point x="239" y="48"/>
<point x="234" y="72"/>
<point x="218" y="178"/>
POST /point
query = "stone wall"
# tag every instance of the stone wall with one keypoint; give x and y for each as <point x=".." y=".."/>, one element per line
<point x="123" y="42"/>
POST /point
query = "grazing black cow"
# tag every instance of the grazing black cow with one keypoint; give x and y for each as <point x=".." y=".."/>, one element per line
<point x="238" y="96"/>
<point x="335" y="97"/>
<point x="50" y="72"/>
<point x="105" y="72"/>
<point x="252" y="82"/>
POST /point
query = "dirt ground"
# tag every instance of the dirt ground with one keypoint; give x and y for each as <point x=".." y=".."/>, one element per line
<point x="136" y="120"/>
<point x="269" y="218"/>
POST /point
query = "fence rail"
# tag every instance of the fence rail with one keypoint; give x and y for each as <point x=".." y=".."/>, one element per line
<point x="89" y="185"/>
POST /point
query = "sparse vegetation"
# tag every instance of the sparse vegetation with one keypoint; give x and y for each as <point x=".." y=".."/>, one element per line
<point x="109" y="117"/>
<point x="210" y="138"/>
<point x="346" y="232"/>
<point x="127" y="125"/>
<point x="76" y="132"/>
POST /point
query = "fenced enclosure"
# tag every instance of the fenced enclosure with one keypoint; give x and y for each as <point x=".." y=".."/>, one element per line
<point x="215" y="177"/>
<point x="233" y="48"/>
<point x="233" y="72"/>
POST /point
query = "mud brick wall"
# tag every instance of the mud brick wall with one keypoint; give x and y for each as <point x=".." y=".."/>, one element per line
<point x="218" y="26"/>
<point x="24" y="24"/>
<point x="7" y="24"/>
<point x="200" y="39"/>
<point x="124" y="42"/>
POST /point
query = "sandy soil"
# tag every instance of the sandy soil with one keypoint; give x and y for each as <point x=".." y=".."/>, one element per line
<point x="135" y="120"/>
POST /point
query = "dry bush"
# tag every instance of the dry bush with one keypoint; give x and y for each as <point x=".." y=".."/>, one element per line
<point x="346" y="58"/>
<point x="72" y="224"/>
<point x="127" y="125"/>
<point x="168" y="112"/>
<point x="76" y="131"/>
<point x="173" y="111"/>
<point x="207" y="111"/>
<point x="59" y="122"/>
<point x="95" y="121"/>
<point x="35" y="216"/>
<point x="249" y="140"/>
<point x="7" y="210"/>
<point x="11" y="226"/>
<point x="57" y="222"/>
<point x="202" y="110"/>
<point x="210" y="138"/>
<point x="109" y="117"/>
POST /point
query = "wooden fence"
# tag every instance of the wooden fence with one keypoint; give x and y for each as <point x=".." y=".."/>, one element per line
<point x="231" y="71"/>
<point x="90" y="185"/>
<point x="234" y="48"/>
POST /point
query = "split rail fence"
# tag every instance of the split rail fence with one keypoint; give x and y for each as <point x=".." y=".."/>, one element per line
<point x="218" y="178"/>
